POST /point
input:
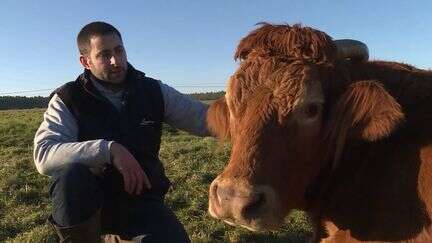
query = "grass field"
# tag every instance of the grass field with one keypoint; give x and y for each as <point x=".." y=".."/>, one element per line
<point x="191" y="164"/>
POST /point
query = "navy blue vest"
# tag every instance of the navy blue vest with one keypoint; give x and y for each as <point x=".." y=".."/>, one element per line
<point x="138" y="126"/>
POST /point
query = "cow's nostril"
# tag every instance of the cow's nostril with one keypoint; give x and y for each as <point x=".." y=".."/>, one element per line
<point x="253" y="205"/>
<point x="224" y="193"/>
<point x="214" y="193"/>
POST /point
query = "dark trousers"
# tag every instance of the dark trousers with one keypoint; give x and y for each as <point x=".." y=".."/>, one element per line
<point x="77" y="194"/>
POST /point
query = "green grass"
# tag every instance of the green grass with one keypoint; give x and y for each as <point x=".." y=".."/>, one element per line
<point x="191" y="164"/>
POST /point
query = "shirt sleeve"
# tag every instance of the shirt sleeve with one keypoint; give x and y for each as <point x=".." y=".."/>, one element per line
<point x="55" y="142"/>
<point x="183" y="112"/>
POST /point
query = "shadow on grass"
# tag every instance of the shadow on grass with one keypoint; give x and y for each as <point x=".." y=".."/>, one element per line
<point x="284" y="238"/>
<point x="249" y="237"/>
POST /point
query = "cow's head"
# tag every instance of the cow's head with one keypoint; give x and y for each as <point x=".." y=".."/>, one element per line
<point x="280" y="120"/>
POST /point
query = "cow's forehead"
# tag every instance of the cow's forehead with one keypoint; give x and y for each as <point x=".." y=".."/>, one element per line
<point x="289" y="84"/>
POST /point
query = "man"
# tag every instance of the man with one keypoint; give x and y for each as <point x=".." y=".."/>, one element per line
<point x="99" y="141"/>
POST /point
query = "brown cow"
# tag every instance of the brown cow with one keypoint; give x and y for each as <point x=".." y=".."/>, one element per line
<point x="317" y="127"/>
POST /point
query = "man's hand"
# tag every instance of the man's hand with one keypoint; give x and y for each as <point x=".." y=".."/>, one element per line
<point x="133" y="176"/>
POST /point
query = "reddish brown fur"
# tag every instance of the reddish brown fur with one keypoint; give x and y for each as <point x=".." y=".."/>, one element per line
<point x="294" y="42"/>
<point x="386" y="179"/>
<point x="370" y="109"/>
<point x="375" y="133"/>
<point x="218" y="120"/>
<point x="364" y="111"/>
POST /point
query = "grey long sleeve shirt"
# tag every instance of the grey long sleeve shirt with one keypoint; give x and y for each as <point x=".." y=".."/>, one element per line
<point x="56" y="145"/>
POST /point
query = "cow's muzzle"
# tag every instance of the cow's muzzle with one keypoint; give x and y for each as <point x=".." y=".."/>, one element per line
<point x="239" y="203"/>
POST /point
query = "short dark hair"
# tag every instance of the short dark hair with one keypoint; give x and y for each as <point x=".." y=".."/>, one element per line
<point x="91" y="30"/>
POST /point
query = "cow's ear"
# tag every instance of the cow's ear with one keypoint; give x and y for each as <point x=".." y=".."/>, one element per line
<point x="218" y="119"/>
<point x="368" y="111"/>
<point x="365" y="111"/>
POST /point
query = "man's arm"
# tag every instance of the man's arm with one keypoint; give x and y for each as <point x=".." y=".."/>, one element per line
<point x="183" y="112"/>
<point x="55" y="142"/>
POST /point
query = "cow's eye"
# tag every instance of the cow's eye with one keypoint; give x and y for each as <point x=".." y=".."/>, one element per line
<point x="311" y="110"/>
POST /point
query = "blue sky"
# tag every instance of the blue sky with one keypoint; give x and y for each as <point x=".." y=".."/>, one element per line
<point x="191" y="43"/>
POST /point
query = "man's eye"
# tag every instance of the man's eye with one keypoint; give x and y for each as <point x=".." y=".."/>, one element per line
<point x="312" y="110"/>
<point x="106" y="55"/>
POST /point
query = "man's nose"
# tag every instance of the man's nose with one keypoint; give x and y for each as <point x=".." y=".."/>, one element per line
<point x="114" y="60"/>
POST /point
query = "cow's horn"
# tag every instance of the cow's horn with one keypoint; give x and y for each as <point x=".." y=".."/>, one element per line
<point x="352" y="49"/>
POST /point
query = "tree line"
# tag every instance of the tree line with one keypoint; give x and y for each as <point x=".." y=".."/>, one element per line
<point x="23" y="102"/>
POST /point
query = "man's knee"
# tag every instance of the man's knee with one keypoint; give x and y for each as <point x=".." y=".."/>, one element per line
<point x="75" y="193"/>
<point x="155" y="220"/>
<point x="76" y="178"/>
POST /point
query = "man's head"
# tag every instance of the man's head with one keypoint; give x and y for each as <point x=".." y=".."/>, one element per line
<point x="102" y="52"/>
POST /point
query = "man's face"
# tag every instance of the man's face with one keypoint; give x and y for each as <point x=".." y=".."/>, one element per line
<point x="106" y="58"/>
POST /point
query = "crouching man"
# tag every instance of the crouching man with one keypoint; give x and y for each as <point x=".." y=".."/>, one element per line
<point x="99" y="142"/>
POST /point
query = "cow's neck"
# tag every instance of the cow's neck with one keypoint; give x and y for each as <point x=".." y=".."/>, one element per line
<point x="320" y="193"/>
<point x="383" y="187"/>
<point x="381" y="191"/>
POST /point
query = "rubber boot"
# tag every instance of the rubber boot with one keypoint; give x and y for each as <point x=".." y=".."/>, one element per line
<point x="88" y="231"/>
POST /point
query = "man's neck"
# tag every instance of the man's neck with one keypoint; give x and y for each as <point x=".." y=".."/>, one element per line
<point x="110" y="86"/>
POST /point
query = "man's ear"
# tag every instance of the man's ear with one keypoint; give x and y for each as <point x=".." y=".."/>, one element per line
<point x="365" y="111"/>
<point x="218" y="119"/>
<point x="84" y="61"/>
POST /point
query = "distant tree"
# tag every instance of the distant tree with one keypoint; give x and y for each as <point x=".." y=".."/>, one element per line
<point x="22" y="102"/>
<point x="208" y="95"/>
